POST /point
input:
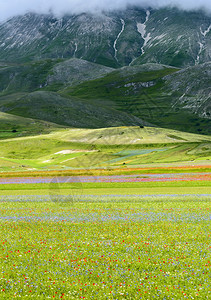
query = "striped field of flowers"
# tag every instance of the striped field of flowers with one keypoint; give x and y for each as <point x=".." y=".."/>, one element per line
<point x="125" y="248"/>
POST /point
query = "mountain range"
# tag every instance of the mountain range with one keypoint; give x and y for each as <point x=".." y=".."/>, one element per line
<point x="122" y="68"/>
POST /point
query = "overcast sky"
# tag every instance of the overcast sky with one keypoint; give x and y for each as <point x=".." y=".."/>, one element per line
<point x="10" y="8"/>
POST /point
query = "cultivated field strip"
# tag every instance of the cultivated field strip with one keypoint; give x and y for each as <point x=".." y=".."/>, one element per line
<point x="146" y="249"/>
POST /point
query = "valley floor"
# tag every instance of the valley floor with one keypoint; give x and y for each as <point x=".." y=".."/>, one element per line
<point x="105" y="221"/>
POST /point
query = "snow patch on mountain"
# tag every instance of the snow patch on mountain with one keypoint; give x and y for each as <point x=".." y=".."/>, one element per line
<point x="76" y="49"/>
<point x="201" y="47"/>
<point x="202" y="42"/>
<point x="141" y="27"/>
<point x="204" y="33"/>
<point x="118" y="36"/>
<point x="164" y="36"/>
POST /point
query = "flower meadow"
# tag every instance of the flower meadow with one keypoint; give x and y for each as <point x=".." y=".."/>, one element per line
<point x="198" y="176"/>
<point x="125" y="248"/>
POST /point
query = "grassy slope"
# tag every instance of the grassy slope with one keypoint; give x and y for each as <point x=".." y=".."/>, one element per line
<point x="29" y="90"/>
<point x="44" y="90"/>
<point x="129" y="135"/>
<point x="50" y="74"/>
<point x="111" y="147"/>
<point x="68" y="111"/>
<point x="124" y="90"/>
<point x="12" y="126"/>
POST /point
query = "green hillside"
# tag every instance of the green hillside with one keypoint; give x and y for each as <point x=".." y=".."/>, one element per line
<point x="155" y="94"/>
<point x="107" y="147"/>
<point x="12" y="126"/>
<point x="76" y="93"/>
<point x="50" y="73"/>
<point x="68" y="111"/>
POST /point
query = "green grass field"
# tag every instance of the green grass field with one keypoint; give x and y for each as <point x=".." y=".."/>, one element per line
<point x="143" y="249"/>
<point x="106" y="185"/>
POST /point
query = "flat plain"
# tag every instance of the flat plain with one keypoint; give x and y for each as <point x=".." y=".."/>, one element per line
<point x="122" y="247"/>
<point x="105" y="214"/>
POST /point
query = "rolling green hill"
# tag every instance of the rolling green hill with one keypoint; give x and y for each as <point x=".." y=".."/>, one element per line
<point x="107" y="147"/>
<point x="81" y="94"/>
<point x="12" y="126"/>
<point x="68" y="111"/>
<point x="50" y="73"/>
<point x="161" y="95"/>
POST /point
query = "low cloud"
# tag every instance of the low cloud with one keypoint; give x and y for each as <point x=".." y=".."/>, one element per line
<point x="9" y="8"/>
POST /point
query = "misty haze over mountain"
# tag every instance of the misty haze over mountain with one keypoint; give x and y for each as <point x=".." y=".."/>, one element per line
<point x="10" y="8"/>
